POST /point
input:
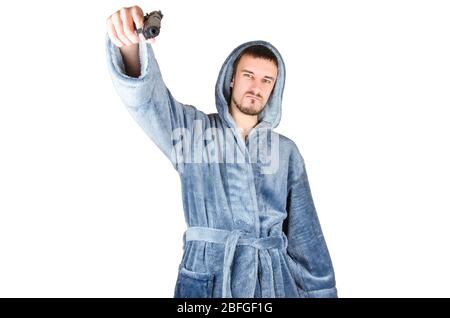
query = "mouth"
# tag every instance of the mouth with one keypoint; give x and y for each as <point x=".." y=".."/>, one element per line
<point x="253" y="97"/>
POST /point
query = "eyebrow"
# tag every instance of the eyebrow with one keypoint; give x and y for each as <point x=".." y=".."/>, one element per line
<point x="268" y="77"/>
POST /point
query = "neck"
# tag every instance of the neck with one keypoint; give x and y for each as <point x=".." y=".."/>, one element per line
<point x="243" y="121"/>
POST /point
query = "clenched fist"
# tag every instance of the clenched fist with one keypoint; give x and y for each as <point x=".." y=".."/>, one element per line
<point x="122" y="25"/>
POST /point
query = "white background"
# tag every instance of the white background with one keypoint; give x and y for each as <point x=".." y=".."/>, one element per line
<point x="89" y="206"/>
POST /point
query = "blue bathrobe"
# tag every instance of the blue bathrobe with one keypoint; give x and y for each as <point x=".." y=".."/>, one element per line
<point x="252" y="228"/>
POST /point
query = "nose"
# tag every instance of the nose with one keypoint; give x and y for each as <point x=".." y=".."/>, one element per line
<point x="255" y="88"/>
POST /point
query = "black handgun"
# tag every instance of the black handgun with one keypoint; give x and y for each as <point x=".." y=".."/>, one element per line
<point x="152" y="24"/>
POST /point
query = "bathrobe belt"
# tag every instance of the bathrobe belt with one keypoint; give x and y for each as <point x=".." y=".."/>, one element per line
<point x="231" y="239"/>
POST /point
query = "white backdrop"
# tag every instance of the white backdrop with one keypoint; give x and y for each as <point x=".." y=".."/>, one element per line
<point x="89" y="206"/>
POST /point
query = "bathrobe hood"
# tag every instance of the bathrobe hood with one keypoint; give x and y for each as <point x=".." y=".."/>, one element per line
<point x="271" y="115"/>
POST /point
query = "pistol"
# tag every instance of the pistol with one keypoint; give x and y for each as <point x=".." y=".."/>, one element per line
<point x="152" y="25"/>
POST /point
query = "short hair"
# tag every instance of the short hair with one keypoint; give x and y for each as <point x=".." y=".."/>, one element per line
<point x="258" y="51"/>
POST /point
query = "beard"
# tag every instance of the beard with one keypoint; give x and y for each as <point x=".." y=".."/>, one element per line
<point x="248" y="109"/>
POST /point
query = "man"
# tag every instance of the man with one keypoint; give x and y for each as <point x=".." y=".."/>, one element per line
<point x="253" y="230"/>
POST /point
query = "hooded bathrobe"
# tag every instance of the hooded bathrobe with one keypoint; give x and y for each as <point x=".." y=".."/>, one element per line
<point x="252" y="228"/>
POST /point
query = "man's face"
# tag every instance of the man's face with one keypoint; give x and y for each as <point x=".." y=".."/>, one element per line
<point x="252" y="84"/>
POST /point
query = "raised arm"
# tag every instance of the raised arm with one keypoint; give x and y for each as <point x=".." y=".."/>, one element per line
<point x="136" y="76"/>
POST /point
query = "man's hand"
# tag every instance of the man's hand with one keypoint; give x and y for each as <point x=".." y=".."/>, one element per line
<point x="121" y="26"/>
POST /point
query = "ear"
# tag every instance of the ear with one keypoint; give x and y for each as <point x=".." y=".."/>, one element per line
<point x="232" y="82"/>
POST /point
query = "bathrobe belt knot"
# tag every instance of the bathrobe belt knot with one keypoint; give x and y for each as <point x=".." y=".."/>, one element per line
<point x="231" y="239"/>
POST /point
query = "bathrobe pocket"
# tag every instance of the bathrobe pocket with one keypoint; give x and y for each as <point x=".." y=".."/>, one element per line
<point x="193" y="284"/>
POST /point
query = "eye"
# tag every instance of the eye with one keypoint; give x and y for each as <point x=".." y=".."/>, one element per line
<point x="248" y="75"/>
<point x="267" y="81"/>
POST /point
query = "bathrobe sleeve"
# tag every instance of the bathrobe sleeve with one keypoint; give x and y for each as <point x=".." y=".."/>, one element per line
<point x="150" y="103"/>
<point x="310" y="260"/>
